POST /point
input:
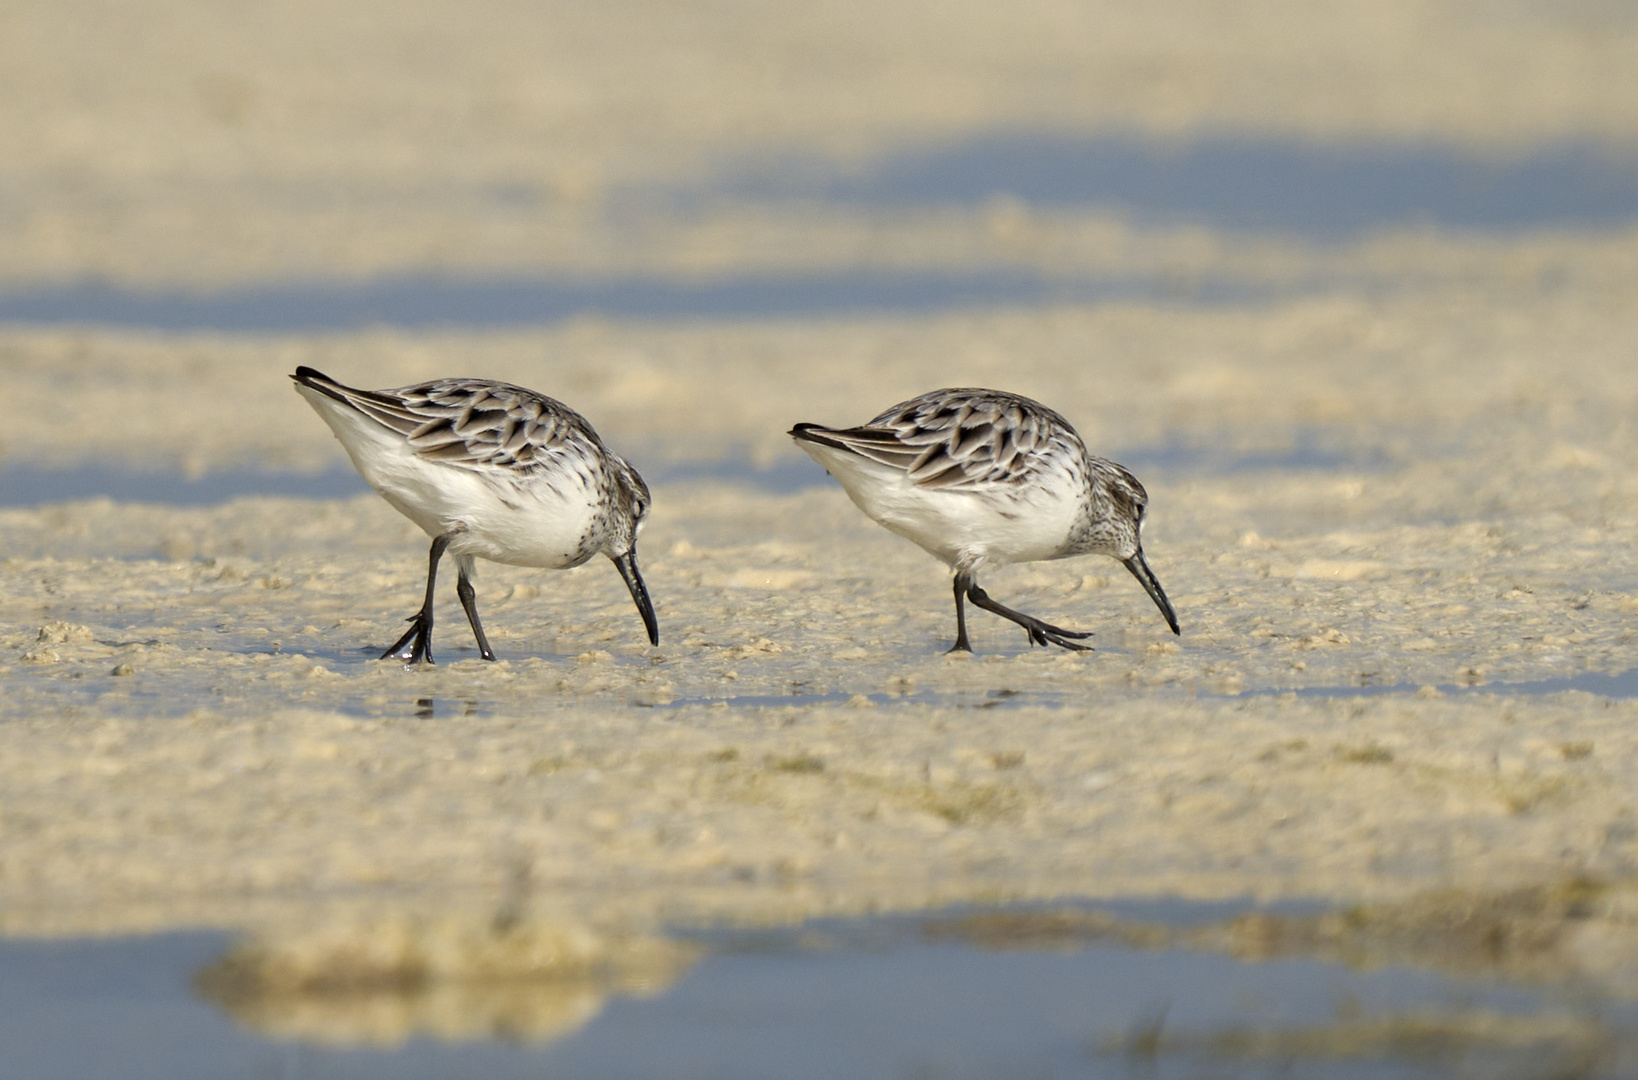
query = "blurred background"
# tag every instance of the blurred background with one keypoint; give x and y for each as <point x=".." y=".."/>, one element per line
<point x="740" y="157"/>
<point x="272" y="171"/>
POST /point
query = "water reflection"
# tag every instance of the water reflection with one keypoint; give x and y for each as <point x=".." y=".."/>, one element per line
<point x="1450" y="983"/>
<point x="455" y="978"/>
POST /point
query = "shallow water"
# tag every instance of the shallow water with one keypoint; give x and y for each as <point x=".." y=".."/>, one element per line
<point x="1324" y="192"/>
<point x="1621" y="685"/>
<point x="431" y="301"/>
<point x="1070" y="991"/>
<point x="26" y="485"/>
<point x="178" y="694"/>
<point x="1321" y="190"/>
<point x="23" y="484"/>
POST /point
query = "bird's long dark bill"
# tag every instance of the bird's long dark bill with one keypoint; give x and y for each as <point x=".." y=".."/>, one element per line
<point x="627" y="565"/>
<point x="1139" y="566"/>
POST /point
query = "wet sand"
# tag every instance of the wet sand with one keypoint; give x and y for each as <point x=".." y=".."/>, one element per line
<point x="195" y="730"/>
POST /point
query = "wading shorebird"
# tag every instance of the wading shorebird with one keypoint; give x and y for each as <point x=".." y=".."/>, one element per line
<point x="983" y="478"/>
<point x="493" y="471"/>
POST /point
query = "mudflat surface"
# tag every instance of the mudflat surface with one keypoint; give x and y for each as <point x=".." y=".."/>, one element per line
<point x="1344" y="525"/>
<point x="1393" y="480"/>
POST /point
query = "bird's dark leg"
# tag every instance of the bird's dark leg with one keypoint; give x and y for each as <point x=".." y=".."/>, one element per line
<point x="962" y="584"/>
<point x="416" y="644"/>
<point x="469" y="601"/>
<point x="1040" y="633"/>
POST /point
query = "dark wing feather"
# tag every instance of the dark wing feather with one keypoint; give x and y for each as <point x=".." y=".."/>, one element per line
<point x="472" y="422"/>
<point x="956" y="439"/>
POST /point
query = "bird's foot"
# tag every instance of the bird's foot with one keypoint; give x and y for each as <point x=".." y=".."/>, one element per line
<point x="415" y="647"/>
<point x="1044" y="634"/>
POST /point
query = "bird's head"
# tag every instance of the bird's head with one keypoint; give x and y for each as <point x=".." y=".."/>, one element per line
<point x="1119" y="530"/>
<point x="631" y="502"/>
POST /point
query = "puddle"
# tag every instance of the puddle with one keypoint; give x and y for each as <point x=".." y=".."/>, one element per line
<point x="1623" y="685"/>
<point x="1163" y="988"/>
<point x="425" y="302"/>
<point x="1320" y="191"/>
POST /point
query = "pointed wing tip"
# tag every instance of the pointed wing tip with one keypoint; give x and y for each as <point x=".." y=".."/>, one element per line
<point x="307" y="378"/>
<point x="314" y="379"/>
<point x="818" y="434"/>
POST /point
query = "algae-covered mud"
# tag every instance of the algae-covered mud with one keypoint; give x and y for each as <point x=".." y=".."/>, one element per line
<point x="1351" y="290"/>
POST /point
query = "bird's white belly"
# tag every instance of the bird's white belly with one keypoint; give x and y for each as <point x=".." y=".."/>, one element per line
<point x="525" y="524"/>
<point x="1001" y="526"/>
<point x="541" y="527"/>
<point x="529" y="524"/>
